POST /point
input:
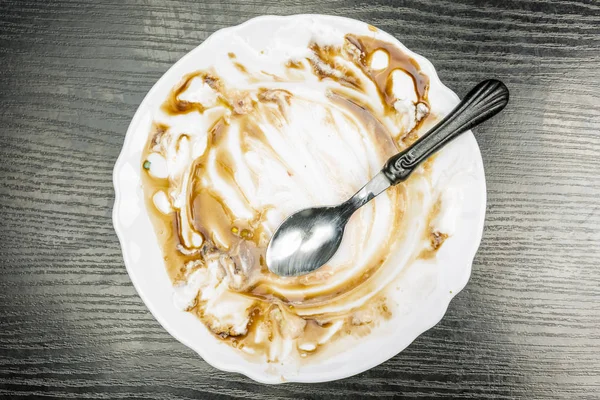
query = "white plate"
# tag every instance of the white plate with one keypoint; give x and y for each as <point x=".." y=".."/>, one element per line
<point x="425" y="293"/>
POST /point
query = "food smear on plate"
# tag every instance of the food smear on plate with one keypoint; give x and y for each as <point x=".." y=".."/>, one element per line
<point x="238" y="147"/>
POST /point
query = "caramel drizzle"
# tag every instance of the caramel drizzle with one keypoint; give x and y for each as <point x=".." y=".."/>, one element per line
<point x="397" y="60"/>
<point x="210" y="213"/>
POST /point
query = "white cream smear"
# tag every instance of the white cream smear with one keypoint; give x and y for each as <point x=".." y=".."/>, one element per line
<point x="237" y="148"/>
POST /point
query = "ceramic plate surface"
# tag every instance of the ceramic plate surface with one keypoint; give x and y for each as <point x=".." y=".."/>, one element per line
<point x="426" y="292"/>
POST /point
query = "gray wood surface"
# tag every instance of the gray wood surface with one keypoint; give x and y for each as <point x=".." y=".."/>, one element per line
<point x="71" y="324"/>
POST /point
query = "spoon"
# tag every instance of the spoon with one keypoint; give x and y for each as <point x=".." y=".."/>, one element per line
<point x="309" y="238"/>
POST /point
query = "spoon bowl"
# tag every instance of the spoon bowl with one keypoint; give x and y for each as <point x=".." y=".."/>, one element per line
<point x="308" y="237"/>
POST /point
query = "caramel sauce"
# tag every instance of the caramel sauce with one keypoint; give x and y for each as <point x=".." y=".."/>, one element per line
<point x="375" y="129"/>
<point x="328" y="66"/>
<point x="173" y="105"/>
<point x="156" y="133"/>
<point x="240" y="67"/>
<point x="435" y="238"/>
<point x="397" y="60"/>
<point x="167" y="228"/>
<point x="294" y="65"/>
<point x="226" y="235"/>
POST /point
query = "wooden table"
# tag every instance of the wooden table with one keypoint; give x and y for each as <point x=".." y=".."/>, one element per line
<point x="71" y="323"/>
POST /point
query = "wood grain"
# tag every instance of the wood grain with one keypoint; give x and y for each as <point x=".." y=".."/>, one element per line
<point x="73" y="74"/>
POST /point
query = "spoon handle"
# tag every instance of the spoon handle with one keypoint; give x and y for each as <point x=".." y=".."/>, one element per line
<point x="484" y="101"/>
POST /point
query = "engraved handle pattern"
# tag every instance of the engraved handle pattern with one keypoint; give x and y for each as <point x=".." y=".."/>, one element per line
<point x="483" y="102"/>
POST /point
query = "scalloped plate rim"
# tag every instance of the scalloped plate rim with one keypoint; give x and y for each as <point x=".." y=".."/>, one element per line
<point x="254" y="374"/>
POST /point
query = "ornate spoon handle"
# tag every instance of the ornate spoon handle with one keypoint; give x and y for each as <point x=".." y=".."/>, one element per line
<point x="481" y="103"/>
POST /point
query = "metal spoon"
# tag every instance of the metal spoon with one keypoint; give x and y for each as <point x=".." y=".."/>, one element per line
<point x="309" y="238"/>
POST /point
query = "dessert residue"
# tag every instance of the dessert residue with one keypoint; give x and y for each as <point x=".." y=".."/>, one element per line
<point x="228" y="159"/>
